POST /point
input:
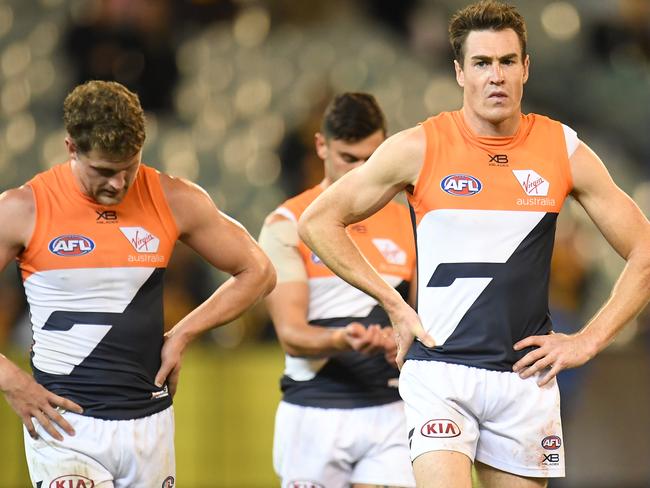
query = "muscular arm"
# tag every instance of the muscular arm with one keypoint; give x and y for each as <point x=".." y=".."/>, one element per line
<point x="226" y="245"/>
<point x="628" y="232"/>
<point x="27" y="398"/>
<point x="288" y="304"/>
<point x="394" y="166"/>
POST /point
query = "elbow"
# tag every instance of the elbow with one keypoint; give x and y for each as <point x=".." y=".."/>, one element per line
<point x="268" y="277"/>
<point x="305" y="225"/>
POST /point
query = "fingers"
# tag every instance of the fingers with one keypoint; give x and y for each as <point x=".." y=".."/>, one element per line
<point x="529" y="342"/>
<point x="46" y="423"/>
<point x="172" y="381"/>
<point x="552" y="373"/>
<point x="528" y="359"/>
<point x="29" y="425"/>
<point x="66" y="404"/>
<point x="403" y="345"/>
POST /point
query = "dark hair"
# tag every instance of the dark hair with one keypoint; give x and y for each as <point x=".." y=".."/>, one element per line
<point x="351" y="117"/>
<point x="485" y="15"/>
<point x="104" y="116"/>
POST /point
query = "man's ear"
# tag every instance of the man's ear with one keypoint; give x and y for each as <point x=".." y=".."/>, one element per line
<point x="71" y="147"/>
<point x="460" y="76"/>
<point x="526" y="68"/>
<point x="321" y="145"/>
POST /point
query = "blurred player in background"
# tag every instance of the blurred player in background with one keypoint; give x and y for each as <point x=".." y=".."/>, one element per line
<point x="486" y="184"/>
<point x="92" y="238"/>
<point x="341" y="420"/>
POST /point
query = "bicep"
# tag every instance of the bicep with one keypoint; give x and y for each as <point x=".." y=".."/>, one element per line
<point x="364" y="190"/>
<point x="615" y="214"/>
<point x="219" y="239"/>
<point x="17" y="214"/>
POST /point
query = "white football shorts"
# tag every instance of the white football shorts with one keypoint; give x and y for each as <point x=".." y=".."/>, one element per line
<point x="336" y="447"/>
<point x="494" y="417"/>
<point x="135" y="453"/>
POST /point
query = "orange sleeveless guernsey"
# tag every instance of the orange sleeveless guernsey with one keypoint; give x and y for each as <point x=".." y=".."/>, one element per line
<point x="350" y="379"/>
<point x="93" y="280"/>
<point x="484" y="210"/>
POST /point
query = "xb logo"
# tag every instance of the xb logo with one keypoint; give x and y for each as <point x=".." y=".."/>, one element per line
<point x="499" y="159"/>
<point x="106" y="215"/>
<point x="551" y="458"/>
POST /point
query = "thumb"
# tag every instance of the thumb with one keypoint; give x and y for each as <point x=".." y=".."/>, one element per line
<point x="161" y="375"/>
<point x="355" y="329"/>
<point x="423" y="336"/>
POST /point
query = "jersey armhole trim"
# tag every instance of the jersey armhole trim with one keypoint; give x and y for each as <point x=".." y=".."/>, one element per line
<point x="572" y="142"/>
<point x="34" y="238"/>
<point x="285" y="212"/>
<point x="160" y="203"/>
<point x="426" y="171"/>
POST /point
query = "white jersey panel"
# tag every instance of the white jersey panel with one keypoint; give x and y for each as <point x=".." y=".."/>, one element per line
<point x="302" y="369"/>
<point x="97" y="290"/>
<point x="571" y="139"/>
<point x="331" y="297"/>
<point x="452" y="236"/>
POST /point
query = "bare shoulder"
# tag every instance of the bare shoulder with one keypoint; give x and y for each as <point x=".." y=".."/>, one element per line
<point x="190" y="204"/>
<point x="180" y="191"/>
<point x="17" y="214"/>
<point x="400" y="157"/>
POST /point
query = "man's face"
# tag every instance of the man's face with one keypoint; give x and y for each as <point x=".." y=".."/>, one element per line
<point x="493" y="75"/>
<point x="340" y="156"/>
<point x="102" y="178"/>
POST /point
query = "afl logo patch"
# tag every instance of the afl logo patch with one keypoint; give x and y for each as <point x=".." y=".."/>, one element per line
<point x="169" y="482"/>
<point x="461" y="185"/>
<point x="71" y="245"/>
<point x="551" y="442"/>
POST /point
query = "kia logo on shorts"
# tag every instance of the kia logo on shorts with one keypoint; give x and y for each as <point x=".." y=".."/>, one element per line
<point x="461" y="185"/>
<point x="72" y="481"/>
<point x="551" y="442"/>
<point x="440" y="428"/>
<point x="71" y="245"/>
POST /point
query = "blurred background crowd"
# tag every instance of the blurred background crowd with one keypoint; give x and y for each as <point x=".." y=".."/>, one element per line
<point x="234" y="91"/>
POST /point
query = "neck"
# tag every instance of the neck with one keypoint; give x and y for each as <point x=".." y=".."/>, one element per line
<point x="325" y="183"/>
<point x="486" y="128"/>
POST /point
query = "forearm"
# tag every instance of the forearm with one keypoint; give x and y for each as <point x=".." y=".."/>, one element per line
<point x="7" y="371"/>
<point x="628" y="298"/>
<point x="313" y="340"/>
<point x="328" y="239"/>
<point x="228" y="302"/>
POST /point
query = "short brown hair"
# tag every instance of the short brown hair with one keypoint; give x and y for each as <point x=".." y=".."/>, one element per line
<point x="351" y="117"/>
<point x="485" y="15"/>
<point x="104" y="116"/>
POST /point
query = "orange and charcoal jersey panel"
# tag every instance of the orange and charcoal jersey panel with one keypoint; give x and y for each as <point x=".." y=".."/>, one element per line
<point x="93" y="277"/>
<point x="484" y="211"/>
<point x="350" y="379"/>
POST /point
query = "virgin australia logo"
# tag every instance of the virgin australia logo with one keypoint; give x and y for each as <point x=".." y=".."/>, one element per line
<point x="141" y="239"/>
<point x="532" y="183"/>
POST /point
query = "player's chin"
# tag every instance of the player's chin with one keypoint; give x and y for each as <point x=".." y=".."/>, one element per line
<point x="106" y="198"/>
<point x="497" y="113"/>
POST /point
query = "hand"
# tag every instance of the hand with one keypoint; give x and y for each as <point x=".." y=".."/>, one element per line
<point x="406" y="327"/>
<point x="170" y="365"/>
<point x="367" y="340"/>
<point x="390" y="346"/>
<point x="30" y="400"/>
<point x="554" y="351"/>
